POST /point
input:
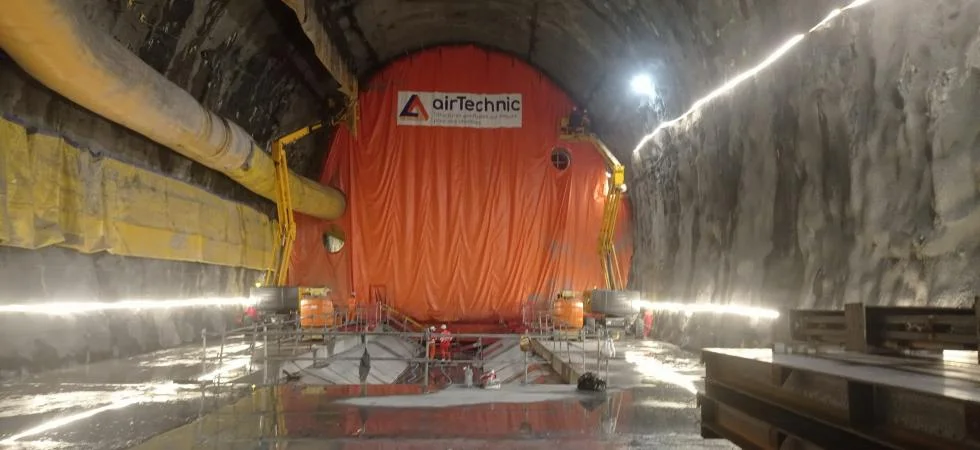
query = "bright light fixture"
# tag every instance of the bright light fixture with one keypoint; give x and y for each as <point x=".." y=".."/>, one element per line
<point x="642" y="84"/>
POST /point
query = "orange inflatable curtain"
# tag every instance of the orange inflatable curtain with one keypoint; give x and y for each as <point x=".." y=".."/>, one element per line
<point x="463" y="202"/>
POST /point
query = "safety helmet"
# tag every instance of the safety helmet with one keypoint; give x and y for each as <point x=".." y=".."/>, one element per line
<point x="443" y="326"/>
<point x="432" y="328"/>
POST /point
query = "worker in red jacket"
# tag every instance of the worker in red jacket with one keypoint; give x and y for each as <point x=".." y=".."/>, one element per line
<point x="445" y="343"/>
<point x="251" y="315"/>
<point x="647" y="323"/>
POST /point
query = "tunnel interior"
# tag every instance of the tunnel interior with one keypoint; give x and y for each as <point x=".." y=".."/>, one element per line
<point x="778" y="155"/>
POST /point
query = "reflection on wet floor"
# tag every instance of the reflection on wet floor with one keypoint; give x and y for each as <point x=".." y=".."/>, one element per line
<point x="657" y="410"/>
<point x="131" y="404"/>
<point x="639" y="417"/>
<point x="111" y="404"/>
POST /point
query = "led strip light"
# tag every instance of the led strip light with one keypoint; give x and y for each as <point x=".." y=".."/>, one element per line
<point x="67" y="308"/>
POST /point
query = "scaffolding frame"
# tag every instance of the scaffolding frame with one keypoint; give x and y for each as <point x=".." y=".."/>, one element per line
<point x="241" y="390"/>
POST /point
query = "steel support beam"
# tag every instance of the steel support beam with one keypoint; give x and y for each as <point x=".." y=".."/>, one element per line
<point x="758" y="399"/>
<point x="785" y="421"/>
<point x="883" y="329"/>
<point x="326" y="51"/>
<point x="856" y="321"/>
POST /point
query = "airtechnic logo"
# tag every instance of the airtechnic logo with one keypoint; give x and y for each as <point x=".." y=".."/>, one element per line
<point x="414" y="109"/>
<point x="469" y="104"/>
<point x="441" y="109"/>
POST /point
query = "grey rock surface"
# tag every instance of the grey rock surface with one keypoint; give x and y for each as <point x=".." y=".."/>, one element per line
<point x="847" y="172"/>
<point x="34" y="342"/>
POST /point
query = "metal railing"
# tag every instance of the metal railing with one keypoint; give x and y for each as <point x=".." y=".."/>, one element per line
<point x="394" y="318"/>
<point x="242" y="369"/>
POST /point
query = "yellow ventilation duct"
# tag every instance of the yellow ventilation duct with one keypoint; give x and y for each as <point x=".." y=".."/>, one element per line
<point x="54" y="42"/>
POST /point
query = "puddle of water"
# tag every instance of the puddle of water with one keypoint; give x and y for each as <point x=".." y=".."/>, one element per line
<point x="324" y="413"/>
<point x="185" y="358"/>
<point x="640" y="417"/>
<point x="460" y="396"/>
<point x="552" y="413"/>
<point x="13" y="405"/>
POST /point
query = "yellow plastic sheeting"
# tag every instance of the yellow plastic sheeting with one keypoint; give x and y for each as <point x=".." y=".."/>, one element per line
<point x="52" y="193"/>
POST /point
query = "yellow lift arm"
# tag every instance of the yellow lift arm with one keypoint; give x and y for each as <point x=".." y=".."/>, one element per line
<point x="614" y="197"/>
<point x="286" y="232"/>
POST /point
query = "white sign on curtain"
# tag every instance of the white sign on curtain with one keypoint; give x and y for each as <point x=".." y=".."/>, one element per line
<point x="456" y="109"/>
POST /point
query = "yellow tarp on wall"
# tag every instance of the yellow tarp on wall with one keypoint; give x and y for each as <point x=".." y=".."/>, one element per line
<point x="52" y="193"/>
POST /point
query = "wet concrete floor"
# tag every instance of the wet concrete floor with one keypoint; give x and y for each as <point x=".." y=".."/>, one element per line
<point x="112" y="404"/>
<point x="132" y="403"/>
<point x="640" y="417"/>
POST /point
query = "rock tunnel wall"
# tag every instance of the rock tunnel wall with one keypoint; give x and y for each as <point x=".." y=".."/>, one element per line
<point x="33" y="342"/>
<point x="689" y="48"/>
<point x="235" y="59"/>
<point x="847" y="172"/>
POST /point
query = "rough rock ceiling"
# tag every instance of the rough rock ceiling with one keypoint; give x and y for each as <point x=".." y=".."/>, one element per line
<point x="228" y="52"/>
<point x="574" y="42"/>
<point x="589" y="47"/>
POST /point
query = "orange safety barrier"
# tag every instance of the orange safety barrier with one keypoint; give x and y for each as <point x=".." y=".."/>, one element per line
<point x="460" y="224"/>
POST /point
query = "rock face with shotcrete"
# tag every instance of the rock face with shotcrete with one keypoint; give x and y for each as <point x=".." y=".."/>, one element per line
<point x="245" y="75"/>
<point x="846" y="172"/>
